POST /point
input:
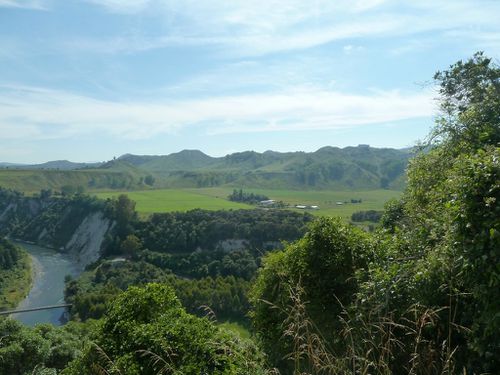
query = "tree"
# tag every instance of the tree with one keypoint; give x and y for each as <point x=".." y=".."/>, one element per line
<point x="131" y="245"/>
<point x="124" y="214"/>
<point x="144" y="324"/>
<point x="324" y="263"/>
<point x="45" y="193"/>
<point x="470" y="104"/>
<point x="68" y="190"/>
<point x="149" y="180"/>
<point x="434" y="266"/>
<point x="449" y="214"/>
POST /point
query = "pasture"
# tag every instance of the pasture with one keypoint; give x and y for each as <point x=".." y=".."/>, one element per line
<point x="167" y="200"/>
<point x="326" y="199"/>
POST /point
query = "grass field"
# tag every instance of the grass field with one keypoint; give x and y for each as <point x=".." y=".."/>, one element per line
<point x="167" y="200"/>
<point x="236" y="328"/>
<point x="326" y="200"/>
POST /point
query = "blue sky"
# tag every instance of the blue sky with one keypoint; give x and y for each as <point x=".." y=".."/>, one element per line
<point x="87" y="80"/>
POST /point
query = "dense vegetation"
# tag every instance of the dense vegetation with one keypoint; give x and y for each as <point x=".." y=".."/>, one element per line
<point x="369" y="215"/>
<point x="207" y="257"/>
<point x="243" y="196"/>
<point x="146" y="331"/>
<point x="43" y="218"/>
<point x="25" y="350"/>
<point x="226" y="296"/>
<point x="421" y="295"/>
<point x="15" y="274"/>
<point x="181" y="232"/>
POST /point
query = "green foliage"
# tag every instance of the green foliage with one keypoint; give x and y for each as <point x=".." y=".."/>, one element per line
<point x="426" y="299"/>
<point x="22" y="349"/>
<point x="243" y="196"/>
<point x="15" y="274"/>
<point x="48" y="221"/>
<point x="9" y="254"/>
<point x="475" y="235"/>
<point x="92" y="291"/>
<point x="325" y="263"/>
<point x="121" y="210"/>
<point x="441" y="237"/>
<point x="145" y="330"/>
<point x="470" y="102"/>
<point x="130" y="245"/>
<point x="198" y="264"/>
<point x="180" y="232"/>
<point x="149" y="180"/>
<point x="370" y="215"/>
<point x="444" y="231"/>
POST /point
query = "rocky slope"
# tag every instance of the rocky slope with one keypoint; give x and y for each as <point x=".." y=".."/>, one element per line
<point x="77" y="226"/>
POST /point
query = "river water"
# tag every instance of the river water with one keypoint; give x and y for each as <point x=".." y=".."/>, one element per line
<point x="50" y="269"/>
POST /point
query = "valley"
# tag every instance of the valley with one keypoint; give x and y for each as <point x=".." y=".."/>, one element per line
<point x="330" y="203"/>
<point x="253" y="259"/>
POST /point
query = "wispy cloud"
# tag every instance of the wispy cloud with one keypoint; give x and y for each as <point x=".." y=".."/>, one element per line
<point x="243" y="44"/>
<point x="261" y="27"/>
<point x="24" y="4"/>
<point x="48" y="114"/>
<point x="122" y="6"/>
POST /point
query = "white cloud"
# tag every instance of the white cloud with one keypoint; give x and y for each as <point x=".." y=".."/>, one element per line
<point x="122" y="6"/>
<point x="24" y="4"/>
<point x="47" y="114"/>
<point x="244" y="44"/>
<point x="252" y="28"/>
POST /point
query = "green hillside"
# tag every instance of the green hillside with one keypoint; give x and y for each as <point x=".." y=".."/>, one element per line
<point x="31" y="181"/>
<point x="360" y="167"/>
<point x="329" y="168"/>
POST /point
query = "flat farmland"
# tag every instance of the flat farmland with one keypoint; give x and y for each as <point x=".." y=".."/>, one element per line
<point x="167" y="200"/>
<point x="327" y="201"/>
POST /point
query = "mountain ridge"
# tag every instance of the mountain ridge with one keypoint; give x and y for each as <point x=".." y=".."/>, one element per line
<point x="353" y="167"/>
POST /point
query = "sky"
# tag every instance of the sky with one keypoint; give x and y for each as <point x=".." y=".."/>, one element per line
<point x="89" y="80"/>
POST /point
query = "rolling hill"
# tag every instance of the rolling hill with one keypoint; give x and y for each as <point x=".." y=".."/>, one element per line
<point x="332" y="168"/>
<point x="360" y="167"/>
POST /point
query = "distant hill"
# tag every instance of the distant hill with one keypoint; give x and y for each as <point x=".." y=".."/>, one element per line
<point x="329" y="167"/>
<point x="361" y="167"/>
<point x="186" y="160"/>
<point x="63" y="165"/>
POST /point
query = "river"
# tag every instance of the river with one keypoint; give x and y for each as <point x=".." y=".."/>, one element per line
<point x="49" y="270"/>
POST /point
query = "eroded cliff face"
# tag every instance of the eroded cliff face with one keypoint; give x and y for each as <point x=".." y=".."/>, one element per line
<point x="86" y="243"/>
<point x="74" y="226"/>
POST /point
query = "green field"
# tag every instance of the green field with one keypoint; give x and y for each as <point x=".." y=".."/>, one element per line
<point x="167" y="200"/>
<point x="236" y="328"/>
<point x="325" y="199"/>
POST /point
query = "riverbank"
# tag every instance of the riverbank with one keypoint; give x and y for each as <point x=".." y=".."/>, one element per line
<point x="16" y="280"/>
<point x="49" y="269"/>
